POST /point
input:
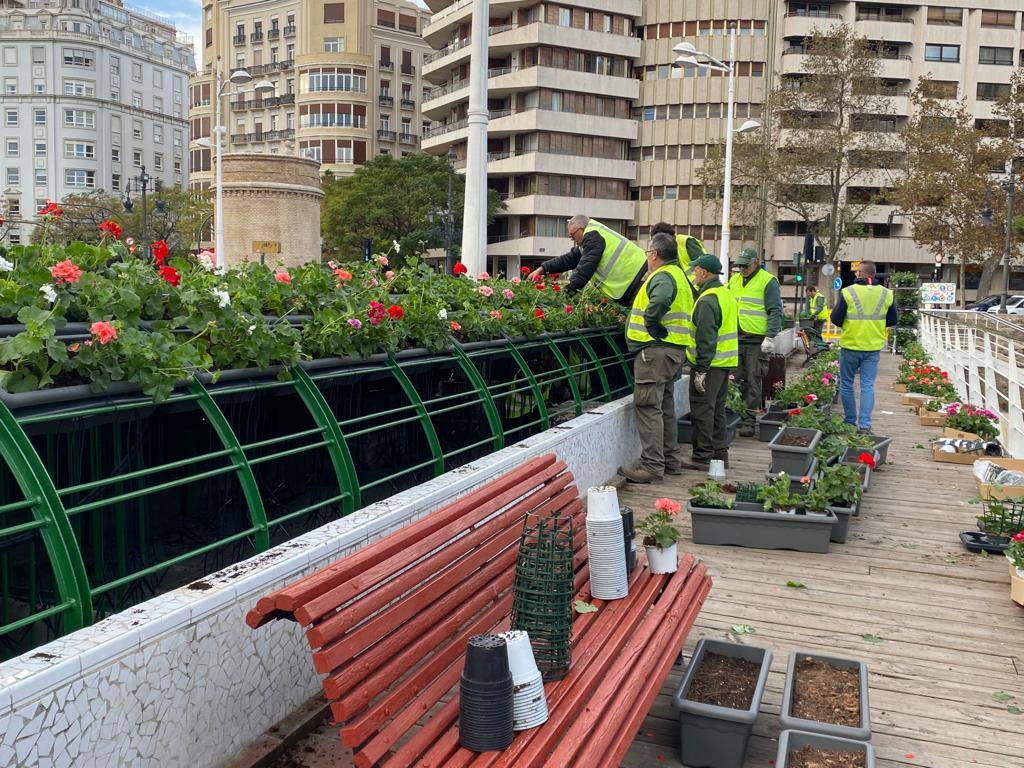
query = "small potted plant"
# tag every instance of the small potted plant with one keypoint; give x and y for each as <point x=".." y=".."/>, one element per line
<point x="779" y="496"/>
<point x="660" y="536"/>
<point x="1015" y="555"/>
<point x="839" y="487"/>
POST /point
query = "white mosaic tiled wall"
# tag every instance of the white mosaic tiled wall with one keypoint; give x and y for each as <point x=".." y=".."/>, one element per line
<point x="181" y="680"/>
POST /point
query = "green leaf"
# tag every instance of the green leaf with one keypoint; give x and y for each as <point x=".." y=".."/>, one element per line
<point x="1014" y="710"/>
<point x="1003" y="696"/>
<point x="743" y="629"/>
<point x="872" y="638"/>
<point x="796" y="584"/>
<point x="582" y="606"/>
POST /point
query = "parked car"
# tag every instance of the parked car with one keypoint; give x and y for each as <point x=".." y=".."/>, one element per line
<point x="1014" y="304"/>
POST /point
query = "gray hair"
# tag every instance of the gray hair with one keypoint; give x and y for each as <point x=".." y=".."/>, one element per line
<point x="868" y="268"/>
<point x="666" y="247"/>
<point x="579" y="221"/>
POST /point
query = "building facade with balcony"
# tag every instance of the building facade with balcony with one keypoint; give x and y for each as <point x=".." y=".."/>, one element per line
<point x="968" y="49"/>
<point x="347" y="80"/>
<point x="560" y="88"/>
<point x="92" y="92"/>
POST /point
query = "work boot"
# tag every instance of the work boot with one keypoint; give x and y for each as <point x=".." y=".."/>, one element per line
<point x="700" y="466"/>
<point x="678" y="470"/>
<point x="639" y="475"/>
<point x="747" y="430"/>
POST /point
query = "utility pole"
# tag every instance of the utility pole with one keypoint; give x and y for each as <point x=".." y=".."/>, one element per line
<point x="1008" y="242"/>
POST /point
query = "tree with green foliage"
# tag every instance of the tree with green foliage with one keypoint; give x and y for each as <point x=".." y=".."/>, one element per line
<point x="390" y="199"/>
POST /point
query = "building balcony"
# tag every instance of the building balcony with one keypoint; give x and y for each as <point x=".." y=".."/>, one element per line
<point x="267" y="69"/>
<point x="408" y="104"/>
<point x="530" y="245"/>
<point x="290" y="30"/>
<point x="271" y="102"/>
<point x="564" y="207"/>
<point x="408" y="69"/>
<point x="386" y="66"/>
<point x="408" y="138"/>
<point x="256" y="37"/>
<point x="260" y="136"/>
<point x="274" y="33"/>
<point x="802" y="24"/>
<point x="383" y="135"/>
<point x="889" y="250"/>
<point x="508" y="164"/>
<point x="896" y="30"/>
<point x="239" y="39"/>
<point x="385" y="101"/>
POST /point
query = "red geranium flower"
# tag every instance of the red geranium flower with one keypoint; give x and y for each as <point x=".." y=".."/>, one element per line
<point x="1018" y="537"/>
<point x="539" y="286"/>
<point x="170" y="275"/>
<point x="568" y="309"/>
<point x="160" y="252"/>
<point x="459" y="268"/>
<point x="283" y="277"/>
<point x="395" y="312"/>
<point x="52" y="209"/>
<point x="524" y="270"/>
<point x="556" y="288"/>
<point x="455" y="327"/>
<point x="65" y="272"/>
<point x="866" y="459"/>
<point x="794" y="411"/>
<point x="538" y="313"/>
<point x="111" y="228"/>
<point x="103" y="331"/>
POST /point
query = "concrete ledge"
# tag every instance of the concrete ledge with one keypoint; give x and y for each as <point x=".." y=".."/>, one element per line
<point x="181" y="680"/>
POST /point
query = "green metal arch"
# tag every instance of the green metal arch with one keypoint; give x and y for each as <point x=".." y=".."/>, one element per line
<point x="228" y="438"/>
<point x="618" y="353"/>
<point x="483" y="393"/>
<point x="341" y="457"/>
<point x="58" y="538"/>
<point x="570" y="376"/>
<point x="421" y="410"/>
<point x="542" y="407"/>
<point x="585" y="343"/>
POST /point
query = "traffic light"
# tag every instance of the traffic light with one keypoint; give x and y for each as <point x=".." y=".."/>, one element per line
<point x="800" y="277"/>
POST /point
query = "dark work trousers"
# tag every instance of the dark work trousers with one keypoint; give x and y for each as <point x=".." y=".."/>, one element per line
<point x="655" y="371"/>
<point x="707" y="412"/>
<point x="750" y="375"/>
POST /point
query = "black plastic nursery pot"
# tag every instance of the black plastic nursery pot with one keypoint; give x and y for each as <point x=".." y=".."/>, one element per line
<point x="794" y="741"/>
<point x="748" y="525"/>
<point x="860" y="732"/>
<point x="713" y="736"/>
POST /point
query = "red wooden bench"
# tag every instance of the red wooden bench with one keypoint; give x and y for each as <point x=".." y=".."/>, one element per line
<point x="388" y="627"/>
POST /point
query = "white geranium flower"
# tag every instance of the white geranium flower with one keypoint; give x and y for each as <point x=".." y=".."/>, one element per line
<point x="5" y="265"/>
<point x="223" y="298"/>
<point x="443" y="314"/>
<point x="250" y="329"/>
<point x="398" y="248"/>
<point x="48" y="293"/>
<point x="207" y="260"/>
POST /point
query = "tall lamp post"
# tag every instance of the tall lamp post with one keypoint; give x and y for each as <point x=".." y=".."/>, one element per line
<point x="237" y="79"/>
<point x="688" y="56"/>
<point x="449" y="220"/>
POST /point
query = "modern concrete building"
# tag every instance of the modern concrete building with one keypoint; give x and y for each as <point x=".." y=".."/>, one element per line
<point x="347" y="80"/>
<point x="561" y="85"/>
<point x="970" y="50"/>
<point x="92" y="91"/>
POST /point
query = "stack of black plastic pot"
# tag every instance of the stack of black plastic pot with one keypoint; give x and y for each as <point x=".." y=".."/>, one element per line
<point x="485" y="695"/>
<point x="629" y="535"/>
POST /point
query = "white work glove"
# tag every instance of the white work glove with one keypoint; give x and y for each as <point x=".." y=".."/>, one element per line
<point x="700" y="382"/>
<point x="768" y="346"/>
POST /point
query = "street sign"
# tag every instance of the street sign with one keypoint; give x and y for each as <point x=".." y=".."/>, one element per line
<point x="828" y="270"/>
<point x="837" y="283"/>
<point x="266" y="246"/>
<point x="938" y="293"/>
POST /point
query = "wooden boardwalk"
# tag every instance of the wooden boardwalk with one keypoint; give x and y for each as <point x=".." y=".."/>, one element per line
<point x="950" y="636"/>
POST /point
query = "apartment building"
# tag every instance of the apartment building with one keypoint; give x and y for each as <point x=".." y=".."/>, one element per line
<point x="970" y="51"/>
<point x="92" y="91"/>
<point x="561" y="86"/>
<point x="347" y="80"/>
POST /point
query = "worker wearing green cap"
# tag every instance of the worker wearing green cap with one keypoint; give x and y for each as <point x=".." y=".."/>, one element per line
<point x="760" y="306"/>
<point x="713" y="356"/>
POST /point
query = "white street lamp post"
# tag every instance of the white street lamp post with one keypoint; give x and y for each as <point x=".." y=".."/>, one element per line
<point x="691" y="57"/>
<point x="474" y="215"/>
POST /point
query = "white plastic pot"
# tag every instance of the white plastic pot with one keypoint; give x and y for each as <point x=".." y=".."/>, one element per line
<point x="662" y="560"/>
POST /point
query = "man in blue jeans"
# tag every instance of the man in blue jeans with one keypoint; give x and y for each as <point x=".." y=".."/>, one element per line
<point x="864" y="311"/>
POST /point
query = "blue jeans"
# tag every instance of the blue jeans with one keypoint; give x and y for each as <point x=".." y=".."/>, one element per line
<point x="850" y="362"/>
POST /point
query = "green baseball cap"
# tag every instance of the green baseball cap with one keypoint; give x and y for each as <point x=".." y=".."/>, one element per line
<point x="746" y="256"/>
<point x="709" y="262"/>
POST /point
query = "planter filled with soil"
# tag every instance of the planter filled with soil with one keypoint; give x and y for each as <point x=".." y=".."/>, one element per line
<point x="748" y="525"/>
<point x="881" y="447"/>
<point x="800" y="749"/>
<point x="717" y="700"/>
<point x="826" y="695"/>
<point x="793" y="450"/>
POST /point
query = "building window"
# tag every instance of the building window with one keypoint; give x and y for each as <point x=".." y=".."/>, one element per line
<point x="158" y="104"/>
<point x="136" y="129"/>
<point x="11" y="118"/>
<point x="334" y="13"/>
<point x="12" y="148"/>
<point x="13" y="177"/>
<point x="1000" y="56"/>
<point x="158" y="162"/>
<point x="949" y="53"/>
<point x="79" y="88"/>
<point x="115" y="96"/>
<point x="949" y="17"/>
<point x="940" y="89"/>
<point x="10" y="86"/>
<point x="137" y="99"/>
<point x="158" y="78"/>
<point x="385" y="18"/>
<point x="115" y="65"/>
<point x="136" y="72"/>
<point x="79" y="149"/>
<point x="565" y="17"/>
<point x="992" y="91"/>
<point x="79" y="57"/>
<point x="10" y="56"/>
<point x="334" y="44"/>
<point x="115" y="156"/>
<point x="40" y="149"/>
<point x="40" y="177"/>
<point x="158" y="134"/>
<point x="38" y="55"/>
<point x="1004" y="19"/>
<point x="137" y="158"/>
<point x="77" y="177"/>
<point x="115" y="182"/>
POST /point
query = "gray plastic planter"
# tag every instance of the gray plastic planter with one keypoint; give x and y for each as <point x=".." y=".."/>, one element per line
<point x="791" y="459"/>
<point x="862" y="732"/>
<point x="768" y="428"/>
<point x="790" y="741"/>
<point x="795" y="481"/>
<point x="842" y="526"/>
<point x="851" y="456"/>
<point x="748" y="525"/>
<point x="881" y="447"/>
<point x="716" y="737"/>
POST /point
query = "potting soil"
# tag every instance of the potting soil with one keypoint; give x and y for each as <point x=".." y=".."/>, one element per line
<point x="826" y="694"/>
<point x="724" y="681"/>
<point x="809" y="757"/>
<point x="795" y="441"/>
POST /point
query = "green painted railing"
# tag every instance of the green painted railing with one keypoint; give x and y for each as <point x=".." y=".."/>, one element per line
<point x="108" y="500"/>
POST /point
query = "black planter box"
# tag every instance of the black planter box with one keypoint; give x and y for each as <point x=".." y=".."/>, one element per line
<point x="732" y="425"/>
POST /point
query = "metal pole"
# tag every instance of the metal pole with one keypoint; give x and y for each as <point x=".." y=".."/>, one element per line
<point x="144" y="182"/>
<point x="449" y="221"/>
<point x="217" y="129"/>
<point x="1008" y="243"/>
<point x="474" y="212"/>
<point x="727" y="193"/>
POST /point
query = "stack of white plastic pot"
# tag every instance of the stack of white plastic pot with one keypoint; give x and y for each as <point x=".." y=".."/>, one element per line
<point x="606" y="554"/>
<point x="529" y="706"/>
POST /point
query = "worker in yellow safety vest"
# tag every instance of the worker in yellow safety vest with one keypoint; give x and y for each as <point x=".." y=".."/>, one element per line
<point x="690" y="248"/>
<point x="865" y="311"/>
<point x="817" y="309"/>
<point x="615" y="264"/>
<point x="659" y="332"/>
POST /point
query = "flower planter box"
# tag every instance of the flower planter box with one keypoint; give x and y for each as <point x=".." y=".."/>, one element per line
<point x="713" y="736"/>
<point x="979" y="541"/>
<point x="748" y="525"/>
<point x="732" y="425"/>
<point x="915" y="399"/>
<point x="899" y="387"/>
<point x="990" y="491"/>
<point x="1016" y="584"/>
<point x="931" y="418"/>
<point x="794" y="459"/>
<point x="793" y="741"/>
<point x="954" y="458"/>
<point x="852" y="457"/>
<point x="860" y="732"/>
<point x="842" y="526"/>
<point x="796" y="484"/>
<point x="768" y="428"/>
<point x="956" y="434"/>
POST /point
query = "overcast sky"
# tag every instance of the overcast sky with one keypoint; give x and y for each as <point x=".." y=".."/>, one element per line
<point x="186" y="15"/>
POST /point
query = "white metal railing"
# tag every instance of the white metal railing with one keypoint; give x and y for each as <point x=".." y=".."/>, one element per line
<point x="984" y="356"/>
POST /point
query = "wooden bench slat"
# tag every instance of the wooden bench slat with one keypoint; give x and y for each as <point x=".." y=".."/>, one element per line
<point x="616" y="747"/>
<point x="289" y="598"/>
<point x="644" y="650"/>
<point x="360" y="581"/>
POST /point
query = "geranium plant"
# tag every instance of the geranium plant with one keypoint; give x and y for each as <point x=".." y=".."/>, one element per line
<point x="710" y="495"/>
<point x="1015" y="552"/>
<point x="779" y="495"/>
<point x="658" y="528"/>
<point x="970" y="418"/>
